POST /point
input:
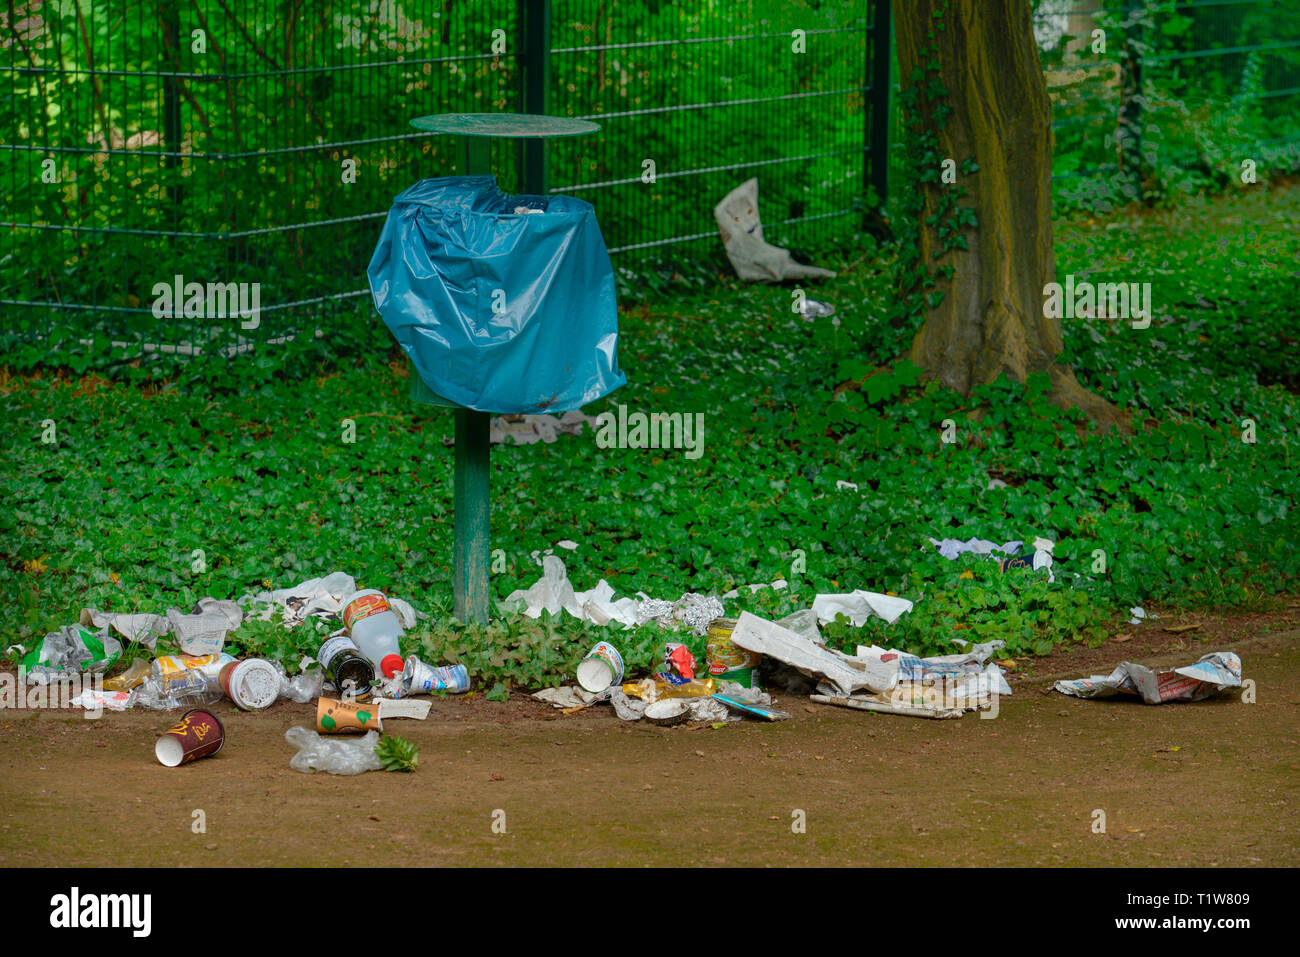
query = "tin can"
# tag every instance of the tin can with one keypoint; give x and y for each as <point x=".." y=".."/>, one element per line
<point x="726" y="661"/>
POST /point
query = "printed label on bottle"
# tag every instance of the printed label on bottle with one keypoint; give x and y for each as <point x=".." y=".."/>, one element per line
<point x="363" y="607"/>
<point x="333" y="646"/>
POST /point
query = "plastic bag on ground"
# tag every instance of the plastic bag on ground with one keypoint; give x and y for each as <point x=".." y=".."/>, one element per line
<point x="72" y="650"/>
<point x="751" y="255"/>
<point x="335" y="755"/>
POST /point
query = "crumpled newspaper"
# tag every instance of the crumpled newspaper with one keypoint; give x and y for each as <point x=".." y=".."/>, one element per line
<point x="742" y="235"/>
<point x="1209" y="675"/>
<point x="703" y="708"/>
<point x="553" y="592"/>
<point x="201" y="631"/>
<point x="528" y="429"/>
<point x="315" y="598"/>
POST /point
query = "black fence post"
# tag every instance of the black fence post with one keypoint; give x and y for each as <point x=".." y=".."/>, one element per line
<point x="171" y="24"/>
<point x="876" y="166"/>
<point x="1128" y="133"/>
<point x="534" y="18"/>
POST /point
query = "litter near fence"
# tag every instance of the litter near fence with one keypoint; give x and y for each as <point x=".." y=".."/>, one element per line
<point x="753" y="258"/>
<point x="1014" y="554"/>
<point x="1207" y="677"/>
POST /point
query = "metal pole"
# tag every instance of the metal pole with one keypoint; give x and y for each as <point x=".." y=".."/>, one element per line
<point x="876" y="168"/>
<point x="471" y="494"/>
<point x="535" y="85"/>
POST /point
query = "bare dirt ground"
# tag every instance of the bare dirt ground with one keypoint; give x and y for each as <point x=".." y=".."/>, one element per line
<point x="1205" y="784"/>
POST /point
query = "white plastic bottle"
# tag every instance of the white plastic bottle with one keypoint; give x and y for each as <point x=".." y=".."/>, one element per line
<point x="375" y="629"/>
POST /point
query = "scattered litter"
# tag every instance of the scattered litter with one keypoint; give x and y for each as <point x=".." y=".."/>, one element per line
<point x="758" y="710"/>
<point x="1036" y="555"/>
<point x="742" y="235"/>
<point x="333" y="716"/>
<point x="371" y="623"/>
<point x="252" y="684"/>
<point x="770" y="639"/>
<point x="840" y="484"/>
<point x="417" y="677"/>
<point x="346" y="667"/>
<point x="131" y="678"/>
<point x="199" y="734"/>
<point x="886" y="707"/>
<point x="1210" y="675"/>
<point x="553" y="592"/>
<point x="203" y="631"/>
<point x="601" y="669"/>
<point x="73" y="649"/>
<point x="95" y="700"/>
<point x="679" y="657"/>
<point x="528" y="429"/>
<point x="567" y="697"/>
<point x="335" y="755"/>
<point x="724" y="660"/>
<point x="667" y="712"/>
<point x="860" y="605"/>
<point x="394" y="708"/>
<point x="1138" y="614"/>
<point x="315" y="598"/>
<point x="812" y="309"/>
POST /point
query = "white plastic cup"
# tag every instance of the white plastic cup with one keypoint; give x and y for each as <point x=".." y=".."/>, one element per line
<point x="601" y="669"/>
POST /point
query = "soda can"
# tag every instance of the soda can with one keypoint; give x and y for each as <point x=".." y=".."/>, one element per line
<point x="601" y="669"/>
<point x="419" y="677"/>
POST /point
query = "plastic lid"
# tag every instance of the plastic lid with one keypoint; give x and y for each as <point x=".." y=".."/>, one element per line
<point x="391" y="665"/>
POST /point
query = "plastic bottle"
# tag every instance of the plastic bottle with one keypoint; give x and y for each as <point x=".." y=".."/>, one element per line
<point x="373" y="626"/>
<point x="184" y="689"/>
<point x="352" y="674"/>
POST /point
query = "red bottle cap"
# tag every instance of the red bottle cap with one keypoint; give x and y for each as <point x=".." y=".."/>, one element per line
<point x="391" y="665"/>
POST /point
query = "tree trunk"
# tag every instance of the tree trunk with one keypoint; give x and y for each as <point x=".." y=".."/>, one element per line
<point x="990" y="320"/>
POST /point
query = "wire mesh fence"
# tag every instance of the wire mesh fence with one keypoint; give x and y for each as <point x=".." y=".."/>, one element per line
<point x="209" y="176"/>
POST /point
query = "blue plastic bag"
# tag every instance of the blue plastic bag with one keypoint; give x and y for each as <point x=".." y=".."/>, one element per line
<point x="499" y="311"/>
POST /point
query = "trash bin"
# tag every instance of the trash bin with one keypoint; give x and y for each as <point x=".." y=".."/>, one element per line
<point x="504" y="304"/>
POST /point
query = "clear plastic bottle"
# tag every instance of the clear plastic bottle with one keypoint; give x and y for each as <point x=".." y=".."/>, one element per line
<point x="186" y="689"/>
<point x="376" y="630"/>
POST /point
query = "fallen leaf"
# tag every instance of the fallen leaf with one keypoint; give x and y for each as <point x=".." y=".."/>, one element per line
<point x="374" y="817"/>
<point x="1179" y="629"/>
<point x="1124" y="637"/>
<point x="647" y="787"/>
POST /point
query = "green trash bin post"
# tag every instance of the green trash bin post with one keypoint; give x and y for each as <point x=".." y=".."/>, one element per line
<point x="472" y="549"/>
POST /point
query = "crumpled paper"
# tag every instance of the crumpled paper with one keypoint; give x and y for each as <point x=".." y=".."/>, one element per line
<point x="553" y="592"/>
<point x="860" y="605"/>
<point x="528" y="429"/>
<point x="315" y="598"/>
<point x="742" y="235"/>
<point x="1209" y="675"/>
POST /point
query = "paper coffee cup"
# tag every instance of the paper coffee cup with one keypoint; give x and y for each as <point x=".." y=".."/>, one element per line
<point x="199" y="734"/>
<point x="602" y="668"/>
<point x="334" y="716"/>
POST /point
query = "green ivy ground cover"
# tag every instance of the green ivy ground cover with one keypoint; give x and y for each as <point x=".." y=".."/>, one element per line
<point x="247" y="463"/>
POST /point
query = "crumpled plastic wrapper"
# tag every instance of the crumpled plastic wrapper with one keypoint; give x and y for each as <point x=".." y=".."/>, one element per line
<point x="64" y="655"/>
<point x="337" y="755"/>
